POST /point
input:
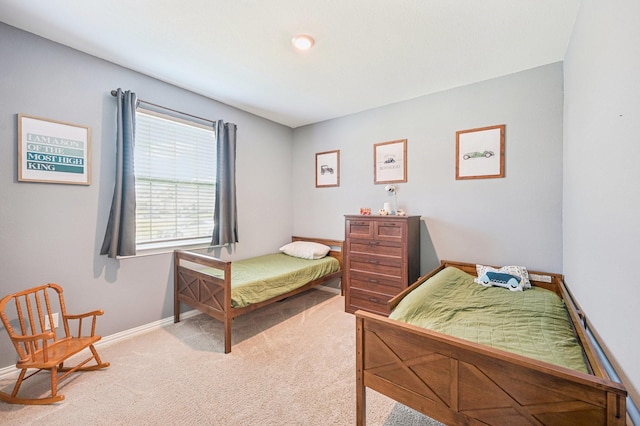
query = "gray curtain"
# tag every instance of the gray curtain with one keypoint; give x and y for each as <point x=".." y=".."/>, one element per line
<point x="225" y="216"/>
<point x="120" y="237"/>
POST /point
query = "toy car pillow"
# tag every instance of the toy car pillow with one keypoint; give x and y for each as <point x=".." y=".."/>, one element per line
<point x="519" y="272"/>
<point x="500" y="279"/>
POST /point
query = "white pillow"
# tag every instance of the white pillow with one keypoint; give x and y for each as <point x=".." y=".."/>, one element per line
<point x="517" y="271"/>
<point x="305" y="249"/>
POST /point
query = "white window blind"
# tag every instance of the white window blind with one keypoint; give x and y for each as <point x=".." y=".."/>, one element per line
<point x="175" y="170"/>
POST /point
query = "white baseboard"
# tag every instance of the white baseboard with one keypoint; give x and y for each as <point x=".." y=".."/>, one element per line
<point x="329" y="289"/>
<point x="11" y="370"/>
<point x="143" y="328"/>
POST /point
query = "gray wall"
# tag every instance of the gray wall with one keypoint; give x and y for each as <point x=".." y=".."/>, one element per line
<point x="512" y="220"/>
<point x="601" y="199"/>
<point x="52" y="233"/>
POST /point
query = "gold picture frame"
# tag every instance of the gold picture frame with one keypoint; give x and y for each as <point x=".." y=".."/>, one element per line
<point x="53" y="151"/>
<point x="480" y="153"/>
<point x="390" y="162"/>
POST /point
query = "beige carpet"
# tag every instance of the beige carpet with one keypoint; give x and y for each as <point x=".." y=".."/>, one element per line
<point x="292" y="363"/>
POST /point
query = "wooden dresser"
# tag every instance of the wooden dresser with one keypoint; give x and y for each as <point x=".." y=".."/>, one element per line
<point x="382" y="257"/>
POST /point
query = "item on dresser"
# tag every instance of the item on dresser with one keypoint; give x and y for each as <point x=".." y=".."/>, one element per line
<point x="225" y="290"/>
<point x="468" y="354"/>
<point x="382" y="257"/>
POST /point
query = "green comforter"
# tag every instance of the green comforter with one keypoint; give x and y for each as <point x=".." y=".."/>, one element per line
<point x="533" y="323"/>
<point x="260" y="278"/>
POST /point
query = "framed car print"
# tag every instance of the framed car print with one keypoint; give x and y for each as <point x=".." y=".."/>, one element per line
<point x="480" y="153"/>
<point x="328" y="169"/>
<point x="390" y="162"/>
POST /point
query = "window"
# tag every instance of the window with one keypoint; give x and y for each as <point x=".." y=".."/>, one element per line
<point x="175" y="170"/>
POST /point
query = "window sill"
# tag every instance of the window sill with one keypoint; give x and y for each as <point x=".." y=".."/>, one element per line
<point x="164" y="248"/>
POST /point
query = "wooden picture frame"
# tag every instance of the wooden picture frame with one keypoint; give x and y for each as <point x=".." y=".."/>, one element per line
<point x="390" y="162"/>
<point x="327" y="169"/>
<point x="480" y="153"/>
<point x="53" y="151"/>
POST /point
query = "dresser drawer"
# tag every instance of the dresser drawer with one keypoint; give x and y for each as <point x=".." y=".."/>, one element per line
<point x="374" y="247"/>
<point x="390" y="230"/>
<point x="377" y="283"/>
<point x="376" y="264"/>
<point x="362" y="228"/>
<point x="369" y="301"/>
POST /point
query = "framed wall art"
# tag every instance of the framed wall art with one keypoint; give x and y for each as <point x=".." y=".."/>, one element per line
<point x="480" y="153"/>
<point x="327" y="169"/>
<point x="390" y="162"/>
<point x="52" y="151"/>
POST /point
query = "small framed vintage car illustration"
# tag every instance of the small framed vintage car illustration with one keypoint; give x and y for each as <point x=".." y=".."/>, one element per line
<point x="480" y="153"/>
<point x="390" y="162"/>
<point x="328" y="169"/>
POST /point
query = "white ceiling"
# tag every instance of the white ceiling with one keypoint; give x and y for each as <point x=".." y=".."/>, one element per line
<point x="368" y="53"/>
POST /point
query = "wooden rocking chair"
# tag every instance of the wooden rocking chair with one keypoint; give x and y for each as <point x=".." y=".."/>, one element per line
<point x="38" y="344"/>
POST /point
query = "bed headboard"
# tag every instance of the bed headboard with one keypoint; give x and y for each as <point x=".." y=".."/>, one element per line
<point x="337" y="246"/>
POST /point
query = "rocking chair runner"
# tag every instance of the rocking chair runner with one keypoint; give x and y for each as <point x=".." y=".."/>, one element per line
<point x="39" y="345"/>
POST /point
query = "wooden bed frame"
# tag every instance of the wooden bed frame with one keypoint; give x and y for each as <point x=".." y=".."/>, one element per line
<point x="459" y="382"/>
<point x="212" y="295"/>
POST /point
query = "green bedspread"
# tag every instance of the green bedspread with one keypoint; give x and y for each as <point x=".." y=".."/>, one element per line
<point x="533" y="323"/>
<point x="260" y="278"/>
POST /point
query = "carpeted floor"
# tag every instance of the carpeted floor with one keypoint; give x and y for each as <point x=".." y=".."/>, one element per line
<point x="292" y="363"/>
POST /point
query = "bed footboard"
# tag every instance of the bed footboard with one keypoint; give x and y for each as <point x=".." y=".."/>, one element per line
<point x="459" y="382"/>
<point x="204" y="292"/>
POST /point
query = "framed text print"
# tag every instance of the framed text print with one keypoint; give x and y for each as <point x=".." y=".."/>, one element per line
<point x="327" y="169"/>
<point x="53" y="151"/>
<point x="390" y="162"/>
<point x="480" y="153"/>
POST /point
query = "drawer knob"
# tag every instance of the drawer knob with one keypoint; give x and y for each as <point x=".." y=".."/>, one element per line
<point x="374" y="243"/>
<point x="375" y="262"/>
<point x="371" y="280"/>
<point x="390" y="224"/>
<point x="374" y="300"/>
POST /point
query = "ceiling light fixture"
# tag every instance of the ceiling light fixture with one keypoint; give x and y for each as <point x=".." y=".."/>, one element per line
<point x="302" y="42"/>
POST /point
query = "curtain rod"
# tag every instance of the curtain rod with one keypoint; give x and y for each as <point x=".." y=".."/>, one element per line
<point x="114" y="93"/>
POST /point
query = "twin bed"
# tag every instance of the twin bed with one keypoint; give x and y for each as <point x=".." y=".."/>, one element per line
<point x="463" y="353"/>
<point x="224" y="290"/>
